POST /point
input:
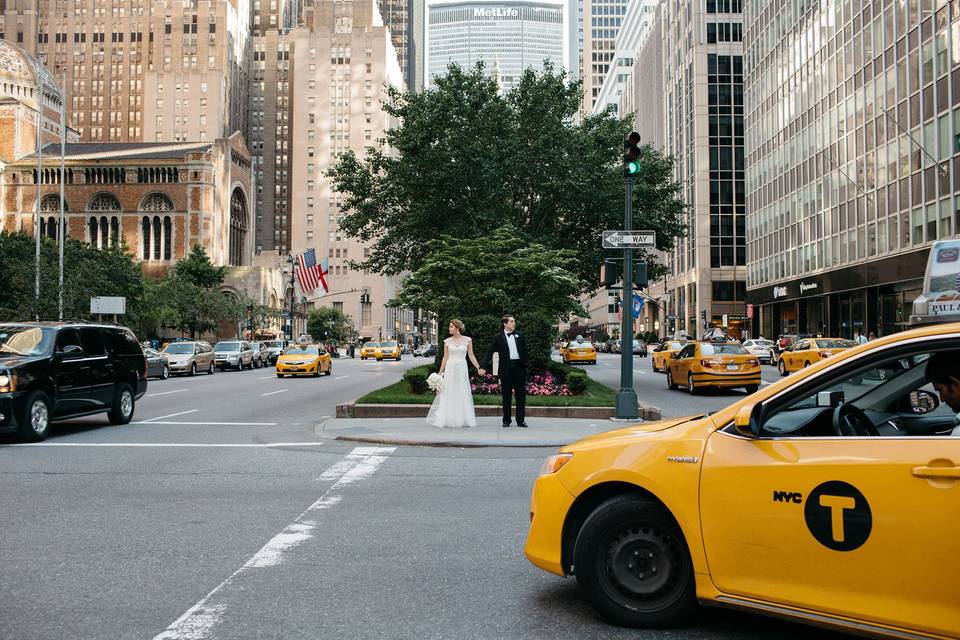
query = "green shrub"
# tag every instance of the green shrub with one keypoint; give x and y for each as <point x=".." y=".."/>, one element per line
<point x="577" y="382"/>
<point x="416" y="379"/>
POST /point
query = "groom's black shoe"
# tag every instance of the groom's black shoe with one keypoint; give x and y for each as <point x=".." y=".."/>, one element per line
<point x="522" y="424"/>
<point x="506" y="424"/>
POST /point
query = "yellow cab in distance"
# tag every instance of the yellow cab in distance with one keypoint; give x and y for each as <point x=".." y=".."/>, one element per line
<point x="369" y="350"/>
<point x="661" y="355"/>
<point x="790" y="502"/>
<point x="807" y="351"/>
<point x="562" y="348"/>
<point x="304" y="360"/>
<point x="580" y="351"/>
<point x="389" y="349"/>
<point x="721" y="365"/>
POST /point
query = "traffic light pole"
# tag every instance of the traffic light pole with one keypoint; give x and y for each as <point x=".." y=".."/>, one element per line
<point x="626" y="396"/>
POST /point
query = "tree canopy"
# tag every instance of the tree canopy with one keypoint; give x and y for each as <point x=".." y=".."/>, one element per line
<point x="466" y="160"/>
<point x="318" y="325"/>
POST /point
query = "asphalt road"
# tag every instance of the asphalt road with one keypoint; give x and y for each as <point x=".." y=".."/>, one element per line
<point x="218" y="513"/>
<point x="651" y="387"/>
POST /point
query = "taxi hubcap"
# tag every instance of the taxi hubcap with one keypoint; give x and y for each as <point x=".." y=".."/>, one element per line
<point x="641" y="562"/>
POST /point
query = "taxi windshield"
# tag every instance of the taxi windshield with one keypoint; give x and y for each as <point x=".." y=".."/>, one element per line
<point x="179" y="347"/>
<point x="388" y="345"/>
<point x="302" y="351"/>
<point x="371" y="345"/>
<point x="25" y="341"/>
<point x="722" y="349"/>
<point x="835" y="344"/>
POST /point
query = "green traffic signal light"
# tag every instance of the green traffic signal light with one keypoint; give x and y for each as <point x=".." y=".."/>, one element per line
<point x="632" y="168"/>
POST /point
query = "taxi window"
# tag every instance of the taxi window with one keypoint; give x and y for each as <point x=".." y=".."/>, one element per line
<point x="722" y="349"/>
<point x="310" y="350"/>
<point x="801" y="345"/>
<point x="687" y="351"/>
<point x="835" y="344"/>
<point x="676" y="346"/>
<point x="371" y="345"/>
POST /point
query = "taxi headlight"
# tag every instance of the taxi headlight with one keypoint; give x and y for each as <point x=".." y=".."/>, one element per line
<point x="6" y="382"/>
<point x="555" y="463"/>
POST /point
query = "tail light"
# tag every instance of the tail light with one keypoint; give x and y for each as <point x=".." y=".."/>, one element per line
<point x="824" y="354"/>
<point x="751" y="362"/>
<point x="710" y="364"/>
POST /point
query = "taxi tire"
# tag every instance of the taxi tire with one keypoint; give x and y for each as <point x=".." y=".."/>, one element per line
<point x="751" y="388"/>
<point x="781" y="367"/>
<point x="691" y="385"/>
<point x="279" y="375"/>
<point x="670" y="384"/>
<point x="626" y="522"/>
<point x="316" y="374"/>
<point x="330" y="370"/>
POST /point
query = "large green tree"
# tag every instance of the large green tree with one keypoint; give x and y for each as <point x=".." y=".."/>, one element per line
<point x="329" y="324"/>
<point x="467" y="160"/>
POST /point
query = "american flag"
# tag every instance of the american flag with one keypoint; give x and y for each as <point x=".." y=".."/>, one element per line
<point x="311" y="275"/>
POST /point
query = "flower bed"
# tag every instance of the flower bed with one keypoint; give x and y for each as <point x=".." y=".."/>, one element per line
<point x="545" y="384"/>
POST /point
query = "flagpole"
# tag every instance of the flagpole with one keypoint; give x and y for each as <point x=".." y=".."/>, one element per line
<point x="36" y="215"/>
<point x="63" y="176"/>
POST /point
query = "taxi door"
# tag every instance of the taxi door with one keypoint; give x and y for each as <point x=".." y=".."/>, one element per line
<point x="861" y="527"/>
<point x="792" y="355"/>
<point x="681" y="366"/>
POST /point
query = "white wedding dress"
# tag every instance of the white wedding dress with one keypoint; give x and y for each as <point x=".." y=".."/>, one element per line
<point x="453" y="406"/>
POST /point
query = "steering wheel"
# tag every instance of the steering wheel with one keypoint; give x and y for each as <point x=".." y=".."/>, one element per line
<point x="850" y="420"/>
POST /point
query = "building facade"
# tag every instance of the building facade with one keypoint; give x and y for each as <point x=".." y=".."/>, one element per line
<point x="616" y="90"/>
<point x="508" y="37"/>
<point x="852" y="148"/>
<point x="142" y="71"/>
<point x="601" y="20"/>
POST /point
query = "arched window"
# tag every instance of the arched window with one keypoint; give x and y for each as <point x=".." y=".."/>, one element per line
<point x="145" y="237"/>
<point x="103" y="202"/>
<point x="156" y="202"/>
<point x="93" y="227"/>
<point x="156" y="237"/>
<point x="50" y="203"/>
<point x="104" y="233"/>
<point x="114" y="231"/>
<point x="167" y="237"/>
<point x="52" y="227"/>
<point x="238" y="226"/>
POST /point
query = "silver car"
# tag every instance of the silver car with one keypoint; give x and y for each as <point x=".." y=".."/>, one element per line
<point x="261" y="354"/>
<point x="236" y="354"/>
<point x="189" y="357"/>
<point x="761" y="348"/>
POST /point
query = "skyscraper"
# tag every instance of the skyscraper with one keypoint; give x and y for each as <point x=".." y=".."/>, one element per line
<point x="601" y="24"/>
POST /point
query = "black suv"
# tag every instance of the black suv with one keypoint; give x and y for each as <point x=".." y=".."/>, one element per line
<point x="56" y="370"/>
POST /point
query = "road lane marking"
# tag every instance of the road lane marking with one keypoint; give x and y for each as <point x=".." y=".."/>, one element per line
<point x="266" y="377"/>
<point x="181" y="413"/>
<point x="215" y="424"/>
<point x="163" y="393"/>
<point x="160" y="445"/>
<point x="200" y="620"/>
<point x="341" y="377"/>
<point x="273" y="392"/>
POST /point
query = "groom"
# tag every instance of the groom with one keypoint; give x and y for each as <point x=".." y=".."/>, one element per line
<point x="513" y="367"/>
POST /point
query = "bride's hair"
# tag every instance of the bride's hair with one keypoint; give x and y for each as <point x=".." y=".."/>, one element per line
<point x="459" y="325"/>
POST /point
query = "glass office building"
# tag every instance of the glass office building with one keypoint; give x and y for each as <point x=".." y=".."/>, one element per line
<point x="853" y="157"/>
<point x="508" y="37"/>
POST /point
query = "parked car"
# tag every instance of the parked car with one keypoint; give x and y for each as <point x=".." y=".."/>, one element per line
<point x="761" y="348"/>
<point x="157" y="364"/>
<point x="425" y="350"/>
<point x="640" y="348"/>
<point x="52" y="370"/>
<point x="236" y="354"/>
<point x="406" y="349"/>
<point x="190" y="357"/>
<point x="274" y="349"/>
<point x="615" y="346"/>
<point x="261" y="356"/>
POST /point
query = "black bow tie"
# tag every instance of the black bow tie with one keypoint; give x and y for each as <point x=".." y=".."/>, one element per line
<point x="512" y="333"/>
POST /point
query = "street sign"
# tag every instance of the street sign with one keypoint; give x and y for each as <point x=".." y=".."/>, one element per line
<point x="629" y="239"/>
<point x="750" y="311"/>
<point x="108" y="305"/>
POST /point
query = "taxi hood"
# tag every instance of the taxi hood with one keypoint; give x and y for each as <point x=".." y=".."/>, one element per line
<point x="637" y="430"/>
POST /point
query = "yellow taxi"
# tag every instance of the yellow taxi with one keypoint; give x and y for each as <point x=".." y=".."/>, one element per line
<point x="304" y="360"/>
<point x="807" y="351"/>
<point x="721" y="365"/>
<point x="562" y="348"/>
<point x="829" y="497"/>
<point x="389" y="349"/>
<point x="369" y="350"/>
<point x="661" y="355"/>
<point x="580" y="351"/>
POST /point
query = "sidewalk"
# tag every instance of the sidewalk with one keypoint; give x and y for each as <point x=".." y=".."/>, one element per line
<point x="542" y="432"/>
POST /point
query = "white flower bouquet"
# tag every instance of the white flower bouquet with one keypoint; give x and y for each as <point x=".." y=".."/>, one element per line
<point x="435" y="382"/>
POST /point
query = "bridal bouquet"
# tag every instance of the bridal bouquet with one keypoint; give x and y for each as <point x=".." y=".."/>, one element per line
<point x="435" y="382"/>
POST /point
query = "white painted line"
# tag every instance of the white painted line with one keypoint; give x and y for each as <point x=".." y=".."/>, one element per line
<point x="163" y="393"/>
<point x="181" y="413"/>
<point x="221" y="424"/>
<point x="273" y="392"/>
<point x="342" y="377"/>
<point x="160" y="445"/>
<point x="199" y="620"/>
<point x="267" y="377"/>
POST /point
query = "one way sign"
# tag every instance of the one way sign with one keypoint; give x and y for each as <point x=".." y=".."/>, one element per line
<point x="629" y="239"/>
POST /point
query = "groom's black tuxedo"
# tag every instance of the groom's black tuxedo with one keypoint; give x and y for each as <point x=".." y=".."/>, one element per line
<point x="512" y="373"/>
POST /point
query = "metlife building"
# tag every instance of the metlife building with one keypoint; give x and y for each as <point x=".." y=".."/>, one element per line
<point x="507" y="36"/>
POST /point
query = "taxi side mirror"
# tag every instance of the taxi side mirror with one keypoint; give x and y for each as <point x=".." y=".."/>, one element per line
<point x="747" y="420"/>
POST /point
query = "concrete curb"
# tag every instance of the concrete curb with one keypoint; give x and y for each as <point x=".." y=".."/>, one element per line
<point x="648" y="413"/>
<point x="449" y="445"/>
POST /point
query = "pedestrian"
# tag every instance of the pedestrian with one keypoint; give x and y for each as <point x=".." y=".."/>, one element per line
<point x="872" y="336"/>
<point x="860" y="338"/>
<point x="512" y="371"/>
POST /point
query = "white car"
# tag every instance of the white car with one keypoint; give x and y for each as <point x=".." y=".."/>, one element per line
<point x="761" y="348"/>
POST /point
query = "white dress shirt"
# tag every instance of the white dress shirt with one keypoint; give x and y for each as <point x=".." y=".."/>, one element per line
<point x="512" y="345"/>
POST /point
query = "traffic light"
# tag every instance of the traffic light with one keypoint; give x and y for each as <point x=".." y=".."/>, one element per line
<point x="616" y="303"/>
<point x="364" y="298"/>
<point x="610" y="273"/>
<point x="640" y="275"/>
<point x="631" y="154"/>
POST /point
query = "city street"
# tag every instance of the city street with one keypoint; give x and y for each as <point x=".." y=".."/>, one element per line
<point x="218" y="513"/>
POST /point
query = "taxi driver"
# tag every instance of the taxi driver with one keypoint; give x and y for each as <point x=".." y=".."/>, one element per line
<point x="943" y="372"/>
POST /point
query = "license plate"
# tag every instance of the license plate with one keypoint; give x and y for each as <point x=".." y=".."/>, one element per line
<point x="732" y="367"/>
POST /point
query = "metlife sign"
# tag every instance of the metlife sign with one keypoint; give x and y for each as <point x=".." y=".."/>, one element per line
<point x="496" y="12"/>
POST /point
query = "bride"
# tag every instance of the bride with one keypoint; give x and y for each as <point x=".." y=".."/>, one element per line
<point x="453" y="406"/>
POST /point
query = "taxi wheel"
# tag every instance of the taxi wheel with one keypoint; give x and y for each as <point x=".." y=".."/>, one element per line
<point x="691" y="385"/>
<point x="781" y="367"/>
<point x="751" y="388"/>
<point x="316" y="372"/>
<point x="279" y="375"/>
<point x="330" y="370"/>
<point x="632" y="563"/>
<point x="806" y="364"/>
<point x="670" y="384"/>
<point x="653" y="365"/>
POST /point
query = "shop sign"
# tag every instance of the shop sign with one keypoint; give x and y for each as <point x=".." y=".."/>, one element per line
<point x="750" y="312"/>
<point x="779" y="292"/>
<point x="808" y="286"/>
